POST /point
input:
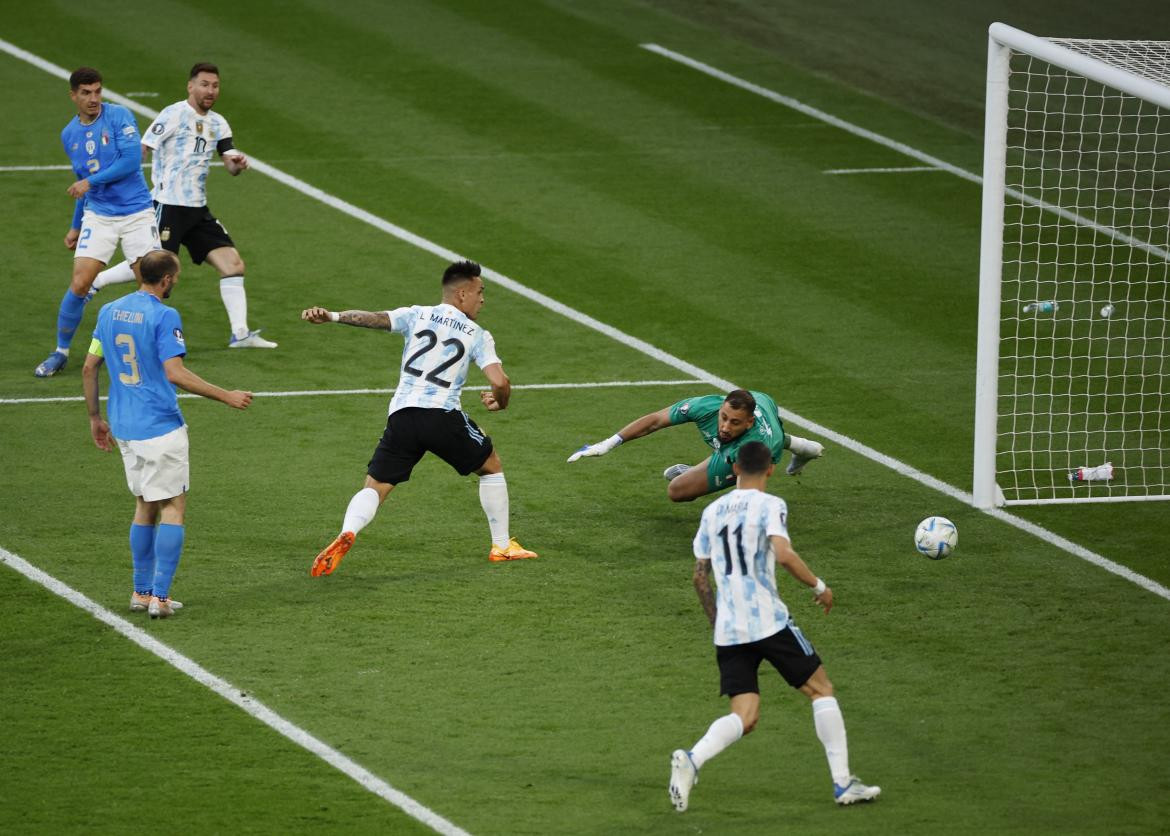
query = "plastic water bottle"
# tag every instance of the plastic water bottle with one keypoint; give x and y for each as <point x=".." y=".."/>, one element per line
<point x="1100" y="473"/>
<point x="1041" y="307"/>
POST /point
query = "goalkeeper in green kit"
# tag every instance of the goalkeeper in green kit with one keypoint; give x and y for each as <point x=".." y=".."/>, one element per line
<point x="726" y="424"/>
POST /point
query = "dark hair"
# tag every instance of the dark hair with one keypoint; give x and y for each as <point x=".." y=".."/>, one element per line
<point x="203" y="67"/>
<point x="742" y="400"/>
<point x="753" y="458"/>
<point x="460" y="271"/>
<point x="84" y="75"/>
<point x="156" y="264"/>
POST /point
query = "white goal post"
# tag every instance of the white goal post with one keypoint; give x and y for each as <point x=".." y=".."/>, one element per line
<point x="1072" y="394"/>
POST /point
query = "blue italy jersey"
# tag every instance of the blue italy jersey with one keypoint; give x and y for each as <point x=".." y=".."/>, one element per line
<point x="136" y="335"/>
<point x="734" y="535"/>
<point x="109" y="143"/>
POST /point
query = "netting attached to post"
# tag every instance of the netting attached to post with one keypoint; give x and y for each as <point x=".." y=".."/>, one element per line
<point x="1084" y="339"/>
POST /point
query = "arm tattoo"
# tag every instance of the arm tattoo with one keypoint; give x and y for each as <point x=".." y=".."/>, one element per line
<point x="702" y="581"/>
<point x="365" y="319"/>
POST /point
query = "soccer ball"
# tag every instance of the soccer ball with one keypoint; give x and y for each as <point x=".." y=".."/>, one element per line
<point x="936" y="537"/>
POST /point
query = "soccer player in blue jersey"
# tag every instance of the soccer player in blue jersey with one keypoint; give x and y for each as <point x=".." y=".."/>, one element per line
<point x="426" y="415"/>
<point x="113" y="203"/>
<point x="741" y="538"/>
<point x="183" y="138"/>
<point x="142" y="340"/>
<point x="726" y="423"/>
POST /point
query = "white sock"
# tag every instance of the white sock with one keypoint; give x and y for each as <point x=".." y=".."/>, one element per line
<point x="802" y="446"/>
<point x="117" y="274"/>
<point x="831" y="731"/>
<point x="235" y="299"/>
<point x="493" y="496"/>
<point x="361" y="510"/>
<point x="722" y="733"/>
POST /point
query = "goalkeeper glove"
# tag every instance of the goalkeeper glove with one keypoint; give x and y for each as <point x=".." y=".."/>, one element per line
<point x="598" y="449"/>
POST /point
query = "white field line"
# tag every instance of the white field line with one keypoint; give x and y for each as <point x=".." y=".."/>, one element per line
<point x="309" y="393"/>
<point x="646" y="348"/>
<point x="900" y="147"/>
<point x="901" y="169"/>
<point x="234" y="695"/>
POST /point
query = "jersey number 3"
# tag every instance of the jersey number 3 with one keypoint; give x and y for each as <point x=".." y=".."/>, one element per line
<point x="130" y="358"/>
<point x="431" y="340"/>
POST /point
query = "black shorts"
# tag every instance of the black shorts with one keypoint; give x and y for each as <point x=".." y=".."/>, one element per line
<point x="413" y="431"/>
<point x="789" y="652"/>
<point x="192" y="226"/>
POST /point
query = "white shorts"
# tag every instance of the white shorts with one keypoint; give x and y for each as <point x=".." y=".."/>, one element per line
<point x="157" y="468"/>
<point x="100" y="235"/>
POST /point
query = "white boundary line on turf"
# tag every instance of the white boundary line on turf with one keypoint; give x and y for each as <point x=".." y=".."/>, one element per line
<point x="308" y="393"/>
<point x="653" y="351"/>
<point x="900" y="147"/>
<point x="900" y="169"/>
<point x="234" y="695"/>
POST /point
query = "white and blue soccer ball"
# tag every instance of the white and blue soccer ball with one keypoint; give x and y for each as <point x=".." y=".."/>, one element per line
<point x="936" y="537"/>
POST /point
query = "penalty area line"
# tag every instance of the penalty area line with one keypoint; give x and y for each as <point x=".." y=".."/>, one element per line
<point x="309" y="393"/>
<point x="898" y="169"/>
<point x="234" y="695"/>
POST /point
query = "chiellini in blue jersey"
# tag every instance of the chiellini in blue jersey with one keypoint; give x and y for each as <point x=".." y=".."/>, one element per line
<point x="140" y="340"/>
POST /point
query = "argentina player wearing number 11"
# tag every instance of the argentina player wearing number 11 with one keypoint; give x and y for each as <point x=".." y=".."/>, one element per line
<point x="741" y="538"/>
<point x="425" y="412"/>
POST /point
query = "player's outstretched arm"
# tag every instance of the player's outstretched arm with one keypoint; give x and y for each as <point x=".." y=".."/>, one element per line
<point x="501" y="392"/>
<point x="795" y="566"/>
<point x="362" y="319"/>
<point x="645" y="425"/>
<point x="188" y="381"/>
<point x="98" y="428"/>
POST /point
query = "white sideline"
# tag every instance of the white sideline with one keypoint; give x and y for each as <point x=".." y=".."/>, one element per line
<point x="309" y="393"/>
<point x="657" y="353"/>
<point x="234" y="695"/>
<point x="901" y="148"/>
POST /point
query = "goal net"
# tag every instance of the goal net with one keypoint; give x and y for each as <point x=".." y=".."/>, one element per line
<point x="1073" y="385"/>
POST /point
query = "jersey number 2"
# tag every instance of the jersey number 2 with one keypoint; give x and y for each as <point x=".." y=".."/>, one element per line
<point x="432" y="339"/>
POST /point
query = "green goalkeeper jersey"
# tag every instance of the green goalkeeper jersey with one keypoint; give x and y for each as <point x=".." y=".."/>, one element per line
<point x="703" y="411"/>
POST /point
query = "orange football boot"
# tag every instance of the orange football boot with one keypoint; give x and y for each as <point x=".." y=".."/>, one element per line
<point x="514" y="551"/>
<point x="328" y="559"/>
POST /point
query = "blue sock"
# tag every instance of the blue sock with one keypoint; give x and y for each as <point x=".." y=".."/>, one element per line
<point x="69" y="317"/>
<point x="142" y="553"/>
<point x="168" y="547"/>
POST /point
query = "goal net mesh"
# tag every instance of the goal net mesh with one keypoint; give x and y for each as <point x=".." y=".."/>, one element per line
<point x="1084" y="359"/>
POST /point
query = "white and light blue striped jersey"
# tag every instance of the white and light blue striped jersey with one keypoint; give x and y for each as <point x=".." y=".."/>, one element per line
<point x="441" y="342"/>
<point x="733" y="534"/>
<point x="183" y="143"/>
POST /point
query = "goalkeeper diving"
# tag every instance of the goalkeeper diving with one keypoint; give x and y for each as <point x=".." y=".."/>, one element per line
<point x="726" y="424"/>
